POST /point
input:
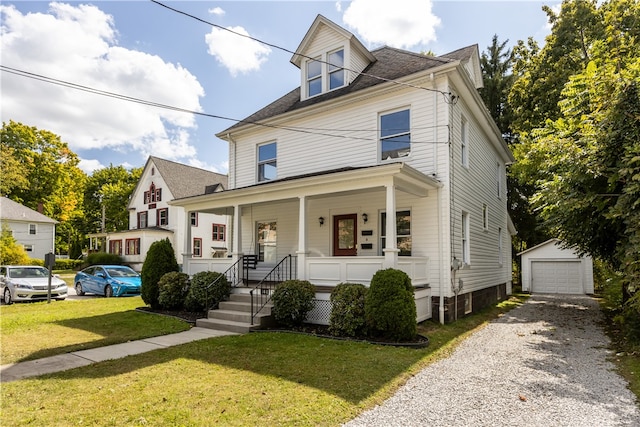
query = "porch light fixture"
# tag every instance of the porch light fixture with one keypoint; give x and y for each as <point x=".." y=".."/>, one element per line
<point x="321" y="221"/>
<point x="365" y="217"/>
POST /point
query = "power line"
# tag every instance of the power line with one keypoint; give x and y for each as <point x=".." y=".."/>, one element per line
<point x="312" y="131"/>
<point x="448" y="96"/>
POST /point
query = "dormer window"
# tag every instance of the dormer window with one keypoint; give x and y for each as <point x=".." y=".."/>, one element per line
<point x="325" y="73"/>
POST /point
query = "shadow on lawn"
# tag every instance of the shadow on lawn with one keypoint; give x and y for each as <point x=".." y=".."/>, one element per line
<point x="114" y="328"/>
<point x="350" y="370"/>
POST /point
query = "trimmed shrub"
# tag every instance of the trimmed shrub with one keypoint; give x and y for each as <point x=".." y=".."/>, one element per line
<point x="67" y="264"/>
<point x="200" y="297"/>
<point x="172" y="290"/>
<point x="160" y="260"/>
<point x="347" y="310"/>
<point x="292" y="301"/>
<point x="104" y="258"/>
<point x="390" y="308"/>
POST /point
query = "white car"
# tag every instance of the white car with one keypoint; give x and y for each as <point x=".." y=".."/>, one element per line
<point x="29" y="283"/>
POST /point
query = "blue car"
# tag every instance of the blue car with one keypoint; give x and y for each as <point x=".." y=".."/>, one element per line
<point x="108" y="280"/>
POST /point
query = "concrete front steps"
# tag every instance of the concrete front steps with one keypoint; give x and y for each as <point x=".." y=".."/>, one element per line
<point x="235" y="315"/>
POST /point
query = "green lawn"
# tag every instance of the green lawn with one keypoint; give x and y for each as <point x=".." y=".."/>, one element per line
<point x="266" y="378"/>
<point x="34" y="330"/>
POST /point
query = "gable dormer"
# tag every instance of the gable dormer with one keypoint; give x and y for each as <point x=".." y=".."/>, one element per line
<point x="329" y="57"/>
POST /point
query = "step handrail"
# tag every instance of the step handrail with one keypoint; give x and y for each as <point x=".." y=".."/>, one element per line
<point x="285" y="270"/>
<point x="234" y="274"/>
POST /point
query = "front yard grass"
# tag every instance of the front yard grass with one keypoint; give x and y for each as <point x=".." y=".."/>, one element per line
<point x="35" y="330"/>
<point x="266" y="378"/>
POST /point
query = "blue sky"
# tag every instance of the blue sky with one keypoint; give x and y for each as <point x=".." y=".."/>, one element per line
<point x="143" y="50"/>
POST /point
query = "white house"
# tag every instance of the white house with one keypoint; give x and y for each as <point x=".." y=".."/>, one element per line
<point x="380" y="159"/>
<point x="551" y="267"/>
<point x="31" y="229"/>
<point x="152" y="218"/>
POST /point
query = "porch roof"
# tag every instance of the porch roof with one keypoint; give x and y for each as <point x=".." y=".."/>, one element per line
<point x="344" y="180"/>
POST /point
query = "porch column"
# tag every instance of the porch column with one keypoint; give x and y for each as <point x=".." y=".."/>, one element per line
<point x="188" y="250"/>
<point x="302" y="238"/>
<point x="390" y="250"/>
<point x="236" y="252"/>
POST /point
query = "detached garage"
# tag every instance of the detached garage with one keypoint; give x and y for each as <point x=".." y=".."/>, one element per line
<point x="548" y="268"/>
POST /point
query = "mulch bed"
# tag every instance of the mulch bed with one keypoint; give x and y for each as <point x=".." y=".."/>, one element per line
<point x="321" y="331"/>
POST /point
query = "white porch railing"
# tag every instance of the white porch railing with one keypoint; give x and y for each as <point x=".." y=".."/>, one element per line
<point x="360" y="269"/>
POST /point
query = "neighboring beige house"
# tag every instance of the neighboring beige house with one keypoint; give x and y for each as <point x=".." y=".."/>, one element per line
<point x="382" y="158"/>
<point x="152" y="218"/>
<point x="31" y="229"/>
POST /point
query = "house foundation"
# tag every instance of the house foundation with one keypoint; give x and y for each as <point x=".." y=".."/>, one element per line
<point x="470" y="302"/>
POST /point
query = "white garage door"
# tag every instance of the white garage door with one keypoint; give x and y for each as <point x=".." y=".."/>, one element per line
<point x="557" y="277"/>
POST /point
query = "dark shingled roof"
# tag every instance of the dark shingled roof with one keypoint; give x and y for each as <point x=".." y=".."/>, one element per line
<point x="184" y="181"/>
<point x="390" y="64"/>
<point x="14" y="211"/>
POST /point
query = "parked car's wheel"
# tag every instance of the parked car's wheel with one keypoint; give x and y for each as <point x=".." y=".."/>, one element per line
<point x="7" y="296"/>
<point x="79" y="290"/>
<point x="108" y="291"/>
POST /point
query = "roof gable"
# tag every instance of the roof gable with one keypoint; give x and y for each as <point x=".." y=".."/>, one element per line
<point x="14" y="211"/>
<point x="183" y="180"/>
<point x="319" y="25"/>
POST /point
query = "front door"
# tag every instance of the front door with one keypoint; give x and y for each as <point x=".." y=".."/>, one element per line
<point x="345" y="235"/>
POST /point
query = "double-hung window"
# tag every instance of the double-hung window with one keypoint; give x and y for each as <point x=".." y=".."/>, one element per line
<point x="466" y="258"/>
<point x="325" y="73"/>
<point x="267" y="162"/>
<point x="163" y="217"/>
<point x="395" y="135"/>
<point x="314" y="77"/>
<point x="32" y="229"/>
<point x="403" y="231"/>
<point x="197" y="247"/>
<point x="336" y="69"/>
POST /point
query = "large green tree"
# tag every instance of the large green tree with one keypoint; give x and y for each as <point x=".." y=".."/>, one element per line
<point x="109" y="188"/>
<point x="584" y="163"/>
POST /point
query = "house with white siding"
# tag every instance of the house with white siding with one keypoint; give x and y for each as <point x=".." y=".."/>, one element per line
<point x="379" y="159"/>
<point x="152" y="218"/>
<point x="33" y="230"/>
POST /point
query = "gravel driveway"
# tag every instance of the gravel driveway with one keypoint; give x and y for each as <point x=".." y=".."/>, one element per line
<point x="542" y="364"/>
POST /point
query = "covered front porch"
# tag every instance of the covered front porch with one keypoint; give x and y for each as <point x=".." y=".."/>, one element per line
<point x="339" y="226"/>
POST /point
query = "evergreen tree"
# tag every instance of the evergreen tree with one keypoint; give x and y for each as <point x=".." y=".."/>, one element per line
<point x="160" y="260"/>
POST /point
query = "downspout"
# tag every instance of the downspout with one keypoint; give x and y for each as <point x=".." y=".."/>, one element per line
<point x="438" y="203"/>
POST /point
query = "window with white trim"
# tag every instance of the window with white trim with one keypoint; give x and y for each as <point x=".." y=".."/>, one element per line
<point x="267" y="162"/>
<point x="324" y="73"/>
<point x="466" y="258"/>
<point x="395" y="134"/>
<point x="28" y="248"/>
<point x="142" y="220"/>
<point x="500" y="249"/>
<point x="33" y="229"/>
<point x="403" y="231"/>
<point x="468" y="303"/>
<point x="464" y="140"/>
<point x="485" y="217"/>
<point x="194" y="218"/>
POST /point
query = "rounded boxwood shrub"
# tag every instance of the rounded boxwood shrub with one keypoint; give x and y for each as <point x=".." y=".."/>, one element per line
<point x="200" y="297"/>
<point x="172" y="290"/>
<point x="292" y="301"/>
<point x="390" y="308"/>
<point x="161" y="259"/>
<point x="347" y="310"/>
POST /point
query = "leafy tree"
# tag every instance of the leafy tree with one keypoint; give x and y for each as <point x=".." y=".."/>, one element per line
<point x="14" y="173"/>
<point x="161" y="259"/>
<point x="110" y="187"/>
<point x="584" y="164"/>
<point x="50" y="168"/>
<point x="11" y="253"/>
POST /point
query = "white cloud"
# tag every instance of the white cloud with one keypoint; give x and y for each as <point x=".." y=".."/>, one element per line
<point x="238" y="54"/>
<point x="401" y="23"/>
<point x="84" y="50"/>
<point x="90" y="165"/>
<point x="217" y="11"/>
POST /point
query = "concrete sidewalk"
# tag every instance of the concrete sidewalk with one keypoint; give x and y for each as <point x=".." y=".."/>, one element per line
<point x="63" y="362"/>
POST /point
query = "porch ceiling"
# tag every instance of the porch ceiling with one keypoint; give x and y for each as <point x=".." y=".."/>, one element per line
<point x="356" y="180"/>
